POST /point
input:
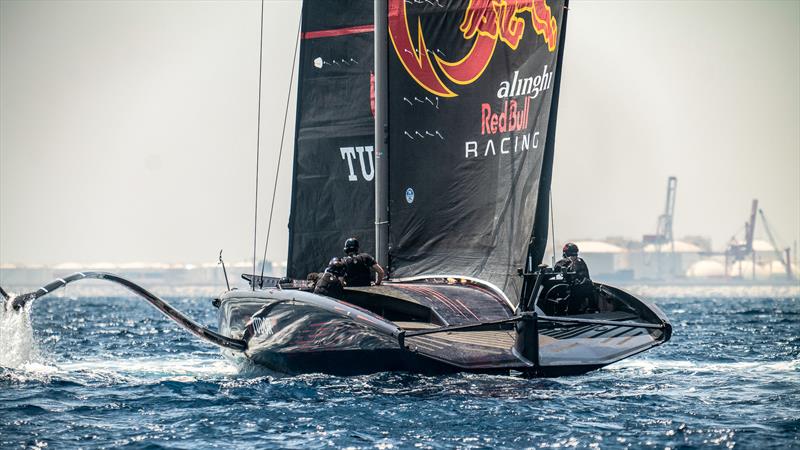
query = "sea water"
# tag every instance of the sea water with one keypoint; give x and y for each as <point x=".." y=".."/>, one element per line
<point x="111" y="372"/>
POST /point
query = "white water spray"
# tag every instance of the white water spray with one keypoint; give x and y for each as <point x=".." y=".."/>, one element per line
<point x="17" y="345"/>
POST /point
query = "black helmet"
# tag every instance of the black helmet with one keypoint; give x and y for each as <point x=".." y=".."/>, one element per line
<point x="336" y="267"/>
<point x="570" y="249"/>
<point x="351" y="245"/>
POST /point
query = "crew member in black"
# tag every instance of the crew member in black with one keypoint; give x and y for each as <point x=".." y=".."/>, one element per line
<point x="331" y="282"/>
<point x="582" y="297"/>
<point x="311" y="282"/>
<point x="359" y="266"/>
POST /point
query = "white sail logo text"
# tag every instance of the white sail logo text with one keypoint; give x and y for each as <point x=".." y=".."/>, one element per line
<point x="530" y="86"/>
<point x="506" y="129"/>
<point x="350" y="154"/>
<point x="507" y="145"/>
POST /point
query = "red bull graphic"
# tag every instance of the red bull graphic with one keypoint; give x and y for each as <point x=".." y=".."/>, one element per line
<point x="484" y="22"/>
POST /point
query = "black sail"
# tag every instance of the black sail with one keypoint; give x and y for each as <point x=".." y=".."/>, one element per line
<point x="333" y="180"/>
<point x="471" y="92"/>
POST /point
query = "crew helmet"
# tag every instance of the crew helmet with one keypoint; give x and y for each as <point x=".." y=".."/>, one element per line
<point x="351" y="245"/>
<point x="336" y="267"/>
<point x="570" y="249"/>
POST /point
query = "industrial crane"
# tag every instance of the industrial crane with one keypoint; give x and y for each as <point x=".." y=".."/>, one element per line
<point x="739" y="252"/>
<point x="778" y="254"/>
<point x="664" y="228"/>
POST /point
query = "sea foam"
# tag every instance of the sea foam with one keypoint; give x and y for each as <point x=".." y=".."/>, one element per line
<point x="17" y="345"/>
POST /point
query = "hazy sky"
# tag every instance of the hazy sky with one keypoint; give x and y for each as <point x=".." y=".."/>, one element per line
<point x="128" y="129"/>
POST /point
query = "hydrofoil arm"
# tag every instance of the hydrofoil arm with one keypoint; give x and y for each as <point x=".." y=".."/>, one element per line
<point x="185" y="322"/>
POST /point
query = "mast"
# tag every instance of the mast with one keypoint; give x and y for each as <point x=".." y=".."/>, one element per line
<point x="538" y="239"/>
<point x="381" y="12"/>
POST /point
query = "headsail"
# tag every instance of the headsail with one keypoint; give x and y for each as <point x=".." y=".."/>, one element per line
<point x="470" y="100"/>
<point x="333" y="187"/>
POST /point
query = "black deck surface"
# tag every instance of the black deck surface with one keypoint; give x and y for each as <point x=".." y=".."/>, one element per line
<point x="456" y="304"/>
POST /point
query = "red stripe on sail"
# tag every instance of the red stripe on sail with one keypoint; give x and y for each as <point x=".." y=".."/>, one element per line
<point x="338" y="32"/>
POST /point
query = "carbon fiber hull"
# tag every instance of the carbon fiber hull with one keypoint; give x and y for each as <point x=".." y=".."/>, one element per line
<point x="375" y="330"/>
<point x="425" y="325"/>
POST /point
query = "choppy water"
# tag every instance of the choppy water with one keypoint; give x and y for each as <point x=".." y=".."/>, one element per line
<point x="112" y="372"/>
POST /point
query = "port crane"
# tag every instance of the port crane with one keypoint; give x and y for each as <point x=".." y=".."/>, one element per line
<point x="663" y="233"/>
<point x="787" y="264"/>
<point x="740" y="251"/>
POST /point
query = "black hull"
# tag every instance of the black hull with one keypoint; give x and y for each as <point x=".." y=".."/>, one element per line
<point x="293" y="332"/>
<point x="433" y="325"/>
<point x="365" y="362"/>
<point x="351" y="362"/>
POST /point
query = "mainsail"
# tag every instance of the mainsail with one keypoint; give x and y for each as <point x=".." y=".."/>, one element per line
<point x="333" y="181"/>
<point x="471" y="92"/>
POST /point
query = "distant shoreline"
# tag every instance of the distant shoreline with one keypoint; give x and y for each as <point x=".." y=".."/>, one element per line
<point x="209" y="281"/>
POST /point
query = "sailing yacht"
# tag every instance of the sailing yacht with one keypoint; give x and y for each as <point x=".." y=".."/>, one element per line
<point x="427" y="130"/>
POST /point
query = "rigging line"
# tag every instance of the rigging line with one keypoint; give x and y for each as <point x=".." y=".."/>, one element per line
<point x="258" y="140"/>
<point x="733" y="236"/>
<point x="767" y="224"/>
<point x="553" y="227"/>
<point x="280" y="149"/>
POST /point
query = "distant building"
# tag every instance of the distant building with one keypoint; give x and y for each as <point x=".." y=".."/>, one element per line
<point x="604" y="259"/>
<point x="707" y="269"/>
<point x="151" y="275"/>
<point x="664" y="261"/>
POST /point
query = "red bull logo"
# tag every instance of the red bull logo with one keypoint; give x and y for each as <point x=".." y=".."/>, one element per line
<point x="485" y="22"/>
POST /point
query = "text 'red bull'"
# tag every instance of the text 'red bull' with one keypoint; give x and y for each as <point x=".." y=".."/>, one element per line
<point x="510" y="118"/>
